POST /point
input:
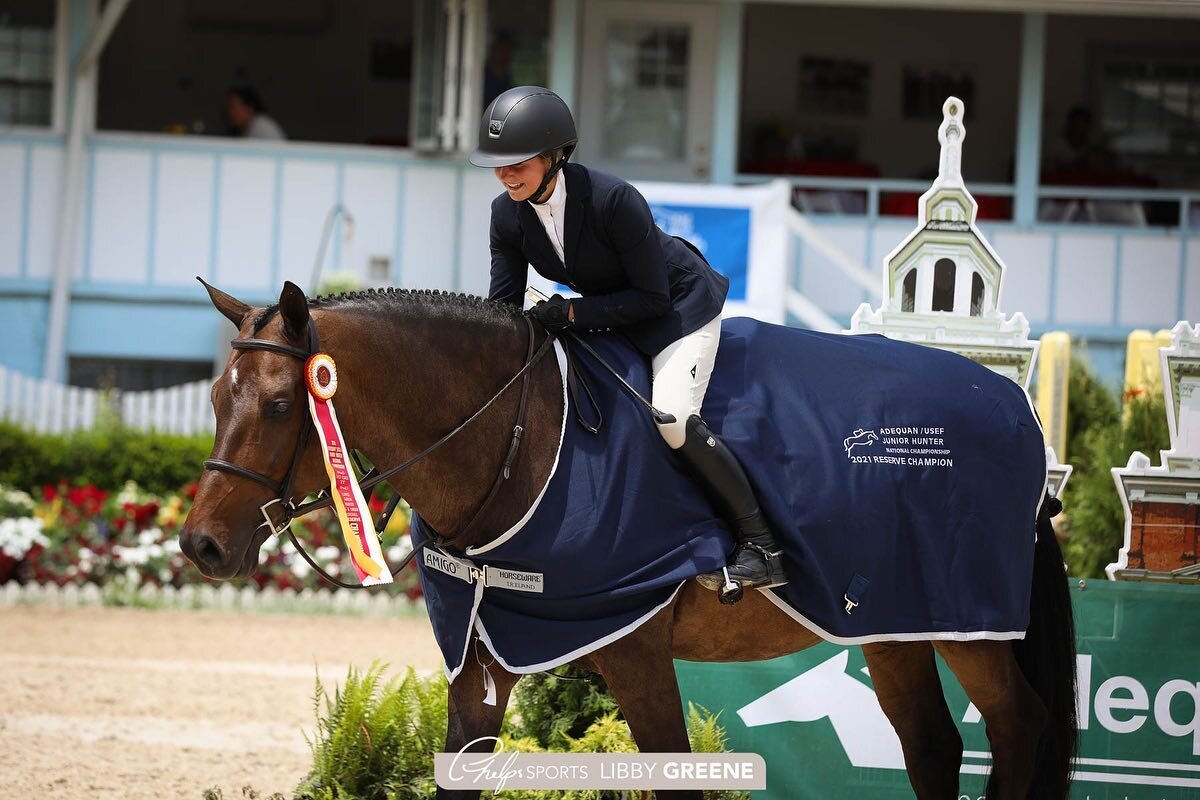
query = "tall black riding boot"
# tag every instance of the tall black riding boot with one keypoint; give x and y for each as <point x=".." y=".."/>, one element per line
<point x="757" y="560"/>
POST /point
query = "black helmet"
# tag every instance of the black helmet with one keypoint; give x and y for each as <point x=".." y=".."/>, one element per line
<point x="521" y="123"/>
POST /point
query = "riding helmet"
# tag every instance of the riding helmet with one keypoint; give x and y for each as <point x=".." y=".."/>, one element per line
<point x="521" y="123"/>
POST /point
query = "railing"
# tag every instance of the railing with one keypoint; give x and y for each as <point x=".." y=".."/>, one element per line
<point x="54" y="408"/>
<point x="1071" y="205"/>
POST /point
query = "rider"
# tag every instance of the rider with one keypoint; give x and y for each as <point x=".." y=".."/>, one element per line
<point x="594" y="233"/>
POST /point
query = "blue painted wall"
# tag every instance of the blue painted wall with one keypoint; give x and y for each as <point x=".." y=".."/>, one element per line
<point x="23" y="325"/>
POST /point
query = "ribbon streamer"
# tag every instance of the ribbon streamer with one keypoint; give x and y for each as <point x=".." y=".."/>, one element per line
<point x="366" y="553"/>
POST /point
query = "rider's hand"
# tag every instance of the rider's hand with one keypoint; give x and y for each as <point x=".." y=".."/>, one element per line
<point x="554" y="314"/>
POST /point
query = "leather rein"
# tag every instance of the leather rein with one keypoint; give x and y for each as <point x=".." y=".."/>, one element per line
<point x="288" y="510"/>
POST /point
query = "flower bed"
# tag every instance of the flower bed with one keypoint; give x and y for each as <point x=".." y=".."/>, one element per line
<point x="128" y="539"/>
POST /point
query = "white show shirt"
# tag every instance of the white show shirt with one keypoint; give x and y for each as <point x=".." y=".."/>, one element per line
<point x="553" y="213"/>
<point x="264" y="127"/>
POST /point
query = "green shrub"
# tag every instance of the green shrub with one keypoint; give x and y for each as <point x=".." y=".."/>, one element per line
<point x="550" y="710"/>
<point x="106" y="457"/>
<point x="375" y="741"/>
<point x="1095" y="524"/>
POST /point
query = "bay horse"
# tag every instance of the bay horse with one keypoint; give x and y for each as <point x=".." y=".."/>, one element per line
<point x="414" y="365"/>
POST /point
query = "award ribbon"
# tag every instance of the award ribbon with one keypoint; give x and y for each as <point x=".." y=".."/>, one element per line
<point x="366" y="553"/>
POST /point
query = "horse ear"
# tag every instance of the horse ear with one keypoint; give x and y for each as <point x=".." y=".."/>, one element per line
<point x="293" y="307"/>
<point x="233" y="309"/>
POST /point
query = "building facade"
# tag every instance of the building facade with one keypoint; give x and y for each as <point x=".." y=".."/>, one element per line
<point x="120" y="185"/>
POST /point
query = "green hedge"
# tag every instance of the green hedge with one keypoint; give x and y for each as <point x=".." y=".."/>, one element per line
<point x="1100" y="437"/>
<point x="106" y="456"/>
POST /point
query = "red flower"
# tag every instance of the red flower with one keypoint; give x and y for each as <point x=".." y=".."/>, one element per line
<point x="414" y="592"/>
<point x="48" y="494"/>
<point x="189" y="491"/>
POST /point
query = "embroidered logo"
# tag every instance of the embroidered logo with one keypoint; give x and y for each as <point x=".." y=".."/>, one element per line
<point x="859" y="438"/>
<point x="903" y="446"/>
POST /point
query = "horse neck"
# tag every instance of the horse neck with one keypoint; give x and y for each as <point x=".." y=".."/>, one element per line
<point x="411" y="379"/>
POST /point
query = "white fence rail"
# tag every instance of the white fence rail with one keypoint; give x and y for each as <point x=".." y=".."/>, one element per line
<point x="49" y="407"/>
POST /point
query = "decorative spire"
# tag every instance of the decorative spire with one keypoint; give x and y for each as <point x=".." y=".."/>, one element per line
<point x="951" y="135"/>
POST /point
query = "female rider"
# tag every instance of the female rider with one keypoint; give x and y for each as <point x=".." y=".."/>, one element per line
<point x="594" y="233"/>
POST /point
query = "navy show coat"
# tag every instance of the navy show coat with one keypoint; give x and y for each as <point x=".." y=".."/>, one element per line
<point x="632" y="276"/>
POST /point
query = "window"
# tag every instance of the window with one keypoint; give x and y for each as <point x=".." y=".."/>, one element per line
<point x="908" y="296"/>
<point x="1151" y="93"/>
<point x="943" y="285"/>
<point x="1149" y="111"/>
<point x="976" y="295"/>
<point x="27" y="65"/>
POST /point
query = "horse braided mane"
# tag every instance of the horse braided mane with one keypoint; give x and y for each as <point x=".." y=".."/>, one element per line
<point x="391" y="299"/>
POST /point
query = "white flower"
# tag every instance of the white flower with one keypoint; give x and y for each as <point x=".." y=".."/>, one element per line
<point x="19" y="535"/>
<point x="399" y="550"/>
<point x="327" y="553"/>
<point x="129" y="493"/>
<point x="164" y="575"/>
<point x="133" y="576"/>
<point x="132" y="555"/>
<point x="149" y="536"/>
<point x="300" y="568"/>
<point x="16" y="497"/>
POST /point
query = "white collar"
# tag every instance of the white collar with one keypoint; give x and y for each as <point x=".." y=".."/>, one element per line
<point x="558" y="196"/>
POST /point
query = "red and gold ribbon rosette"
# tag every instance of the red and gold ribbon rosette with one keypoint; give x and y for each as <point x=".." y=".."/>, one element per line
<point x="320" y="373"/>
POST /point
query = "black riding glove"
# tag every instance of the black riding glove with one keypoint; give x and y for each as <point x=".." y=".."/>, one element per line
<point x="553" y="313"/>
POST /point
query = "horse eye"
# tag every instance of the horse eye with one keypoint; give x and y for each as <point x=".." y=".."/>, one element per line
<point x="280" y="408"/>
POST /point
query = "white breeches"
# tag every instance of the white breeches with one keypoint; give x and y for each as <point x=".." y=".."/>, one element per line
<point x="681" y="374"/>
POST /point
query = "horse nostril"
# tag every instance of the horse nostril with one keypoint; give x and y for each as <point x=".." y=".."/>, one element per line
<point x="209" y="552"/>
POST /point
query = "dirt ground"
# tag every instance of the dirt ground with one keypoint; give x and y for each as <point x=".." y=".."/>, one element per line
<point x="131" y="704"/>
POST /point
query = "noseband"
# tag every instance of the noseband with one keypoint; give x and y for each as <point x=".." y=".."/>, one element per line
<point x="289" y="511"/>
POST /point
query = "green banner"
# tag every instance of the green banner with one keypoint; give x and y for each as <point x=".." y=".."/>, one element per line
<point x="813" y="716"/>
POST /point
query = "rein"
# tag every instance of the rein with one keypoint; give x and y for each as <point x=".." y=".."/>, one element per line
<point x="289" y="511"/>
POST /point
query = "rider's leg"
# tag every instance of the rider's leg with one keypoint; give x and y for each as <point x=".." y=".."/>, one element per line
<point x="681" y="374"/>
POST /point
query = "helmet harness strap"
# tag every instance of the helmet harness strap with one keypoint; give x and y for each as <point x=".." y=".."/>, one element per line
<point x="555" y="166"/>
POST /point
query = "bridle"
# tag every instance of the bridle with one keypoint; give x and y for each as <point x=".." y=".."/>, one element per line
<point x="288" y="510"/>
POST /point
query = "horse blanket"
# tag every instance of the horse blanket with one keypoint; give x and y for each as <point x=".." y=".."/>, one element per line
<point x="902" y="482"/>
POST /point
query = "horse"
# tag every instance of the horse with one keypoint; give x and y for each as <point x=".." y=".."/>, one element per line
<point x="425" y="361"/>
<point x="859" y="438"/>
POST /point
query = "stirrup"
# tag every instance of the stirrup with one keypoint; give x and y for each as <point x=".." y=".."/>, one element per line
<point x="731" y="591"/>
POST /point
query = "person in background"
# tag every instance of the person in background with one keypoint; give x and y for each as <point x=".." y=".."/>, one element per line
<point x="247" y="115"/>
<point x="1081" y="149"/>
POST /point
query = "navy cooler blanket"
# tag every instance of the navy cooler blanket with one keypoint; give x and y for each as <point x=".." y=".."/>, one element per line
<point x="616" y="532"/>
<point x="902" y="481"/>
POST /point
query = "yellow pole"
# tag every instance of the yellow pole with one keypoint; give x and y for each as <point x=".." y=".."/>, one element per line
<point x="1054" y="364"/>
<point x="1142" y="371"/>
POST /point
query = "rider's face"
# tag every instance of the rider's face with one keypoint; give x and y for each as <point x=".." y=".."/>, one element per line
<point x="521" y="180"/>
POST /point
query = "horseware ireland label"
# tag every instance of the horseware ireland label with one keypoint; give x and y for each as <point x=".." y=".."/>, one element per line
<point x="492" y="577"/>
<point x="366" y="554"/>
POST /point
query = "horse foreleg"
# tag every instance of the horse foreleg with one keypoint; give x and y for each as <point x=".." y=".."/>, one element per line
<point x="640" y="673"/>
<point x="1014" y="714"/>
<point x="472" y="724"/>
<point x="910" y="694"/>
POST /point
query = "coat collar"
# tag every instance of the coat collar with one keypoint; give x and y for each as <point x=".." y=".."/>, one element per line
<point x="537" y="246"/>
<point x="579" y="201"/>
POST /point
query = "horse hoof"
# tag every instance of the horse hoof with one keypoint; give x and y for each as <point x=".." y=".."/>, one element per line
<point x="730" y="596"/>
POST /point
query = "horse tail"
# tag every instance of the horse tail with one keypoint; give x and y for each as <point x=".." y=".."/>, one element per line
<point x="1046" y="657"/>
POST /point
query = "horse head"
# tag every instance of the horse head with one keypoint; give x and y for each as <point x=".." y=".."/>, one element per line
<point x="261" y="412"/>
